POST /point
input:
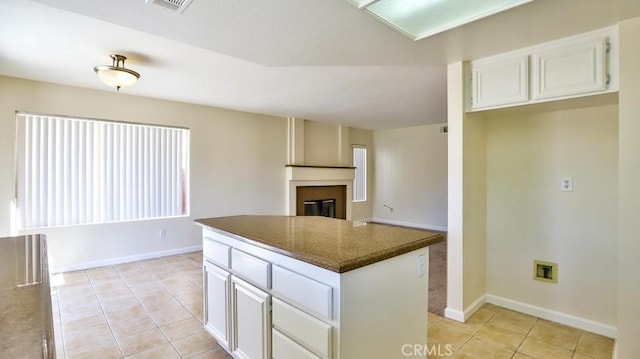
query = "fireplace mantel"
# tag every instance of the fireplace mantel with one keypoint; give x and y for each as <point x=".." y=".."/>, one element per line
<point x="298" y="175"/>
<point x="312" y="173"/>
<point x="305" y="166"/>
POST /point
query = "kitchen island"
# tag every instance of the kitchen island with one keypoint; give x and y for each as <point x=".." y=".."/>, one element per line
<point x="313" y="287"/>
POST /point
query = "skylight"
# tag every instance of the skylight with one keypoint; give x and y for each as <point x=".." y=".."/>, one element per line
<point x="419" y="19"/>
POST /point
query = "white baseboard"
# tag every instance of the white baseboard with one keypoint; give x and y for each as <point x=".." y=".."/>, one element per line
<point x="477" y="304"/>
<point x="454" y="314"/>
<point x="462" y="316"/>
<point x="409" y="224"/>
<point x="555" y="316"/>
<point x="119" y="260"/>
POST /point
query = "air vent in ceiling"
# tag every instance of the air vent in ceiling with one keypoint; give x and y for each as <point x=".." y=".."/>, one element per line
<point x="175" y="5"/>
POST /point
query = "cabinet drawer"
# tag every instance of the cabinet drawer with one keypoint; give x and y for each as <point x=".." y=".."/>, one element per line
<point x="285" y="348"/>
<point x="306" y="293"/>
<point x="302" y="327"/>
<point x="251" y="268"/>
<point x="216" y="252"/>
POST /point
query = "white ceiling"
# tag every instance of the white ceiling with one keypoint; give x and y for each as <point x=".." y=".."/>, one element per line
<point x="322" y="60"/>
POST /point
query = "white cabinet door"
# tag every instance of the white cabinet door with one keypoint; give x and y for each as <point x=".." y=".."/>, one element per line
<point x="499" y="82"/>
<point x="217" y="305"/>
<point x="570" y="70"/>
<point x="251" y="321"/>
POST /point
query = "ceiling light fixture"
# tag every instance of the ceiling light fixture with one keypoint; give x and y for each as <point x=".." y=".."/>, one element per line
<point x="116" y="75"/>
<point x="419" y="19"/>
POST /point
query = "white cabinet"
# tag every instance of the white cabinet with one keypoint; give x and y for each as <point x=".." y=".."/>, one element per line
<point x="217" y="307"/>
<point x="499" y="83"/>
<point x="308" y="294"/>
<point x="310" y="333"/>
<point x="285" y="348"/>
<point x="260" y="304"/>
<point x="236" y="313"/>
<point x="580" y="65"/>
<point x="251" y="310"/>
<point x="570" y="70"/>
<point x="253" y="269"/>
<point x="216" y="252"/>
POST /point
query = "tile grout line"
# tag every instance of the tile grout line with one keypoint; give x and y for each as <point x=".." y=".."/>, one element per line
<point x="104" y="313"/>
<point x="137" y="300"/>
<point x="501" y="309"/>
<point x="60" y="322"/>
<point x="183" y="270"/>
<point x="157" y="281"/>
<point x="477" y="331"/>
<point x="525" y="337"/>
<point x="157" y="326"/>
<point x="573" y="352"/>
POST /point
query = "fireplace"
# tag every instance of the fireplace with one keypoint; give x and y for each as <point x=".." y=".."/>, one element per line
<point x="320" y="207"/>
<point x="323" y="184"/>
<point x="327" y="201"/>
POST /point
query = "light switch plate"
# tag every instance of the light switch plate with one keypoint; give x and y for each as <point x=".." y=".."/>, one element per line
<point x="566" y="184"/>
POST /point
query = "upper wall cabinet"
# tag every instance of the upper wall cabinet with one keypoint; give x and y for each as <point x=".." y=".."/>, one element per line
<point x="581" y="65"/>
<point x="502" y="82"/>
<point x="570" y="70"/>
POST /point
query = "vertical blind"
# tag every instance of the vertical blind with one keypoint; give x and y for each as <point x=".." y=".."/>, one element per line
<point x="79" y="171"/>
<point x="360" y="179"/>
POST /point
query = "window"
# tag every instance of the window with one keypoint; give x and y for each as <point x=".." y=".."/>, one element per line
<point x="360" y="180"/>
<point x="78" y="171"/>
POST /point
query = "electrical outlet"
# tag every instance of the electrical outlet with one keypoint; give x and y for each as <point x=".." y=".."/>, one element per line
<point x="566" y="184"/>
<point x="163" y="233"/>
<point x="422" y="268"/>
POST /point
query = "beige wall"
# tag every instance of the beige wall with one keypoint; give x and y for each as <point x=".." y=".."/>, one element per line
<point x="466" y="236"/>
<point x="628" y="345"/>
<point x="474" y="210"/>
<point x="411" y="176"/>
<point x="326" y="144"/>
<point x="237" y="164"/>
<point x="506" y="208"/>
<point x="528" y="217"/>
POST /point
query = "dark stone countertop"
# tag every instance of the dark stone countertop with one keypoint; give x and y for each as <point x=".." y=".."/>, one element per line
<point x="333" y="244"/>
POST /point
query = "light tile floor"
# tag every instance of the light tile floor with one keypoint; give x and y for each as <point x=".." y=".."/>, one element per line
<point x="153" y="309"/>
<point x="146" y="309"/>
<point x="494" y="332"/>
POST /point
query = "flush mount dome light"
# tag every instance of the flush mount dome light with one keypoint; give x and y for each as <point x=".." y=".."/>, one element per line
<point x="116" y="75"/>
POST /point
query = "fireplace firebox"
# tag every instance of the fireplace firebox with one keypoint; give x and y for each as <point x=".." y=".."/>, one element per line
<point x="327" y="201"/>
<point x="321" y="207"/>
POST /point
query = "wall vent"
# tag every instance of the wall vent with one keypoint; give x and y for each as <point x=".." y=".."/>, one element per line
<point x="444" y="129"/>
<point x="175" y="5"/>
